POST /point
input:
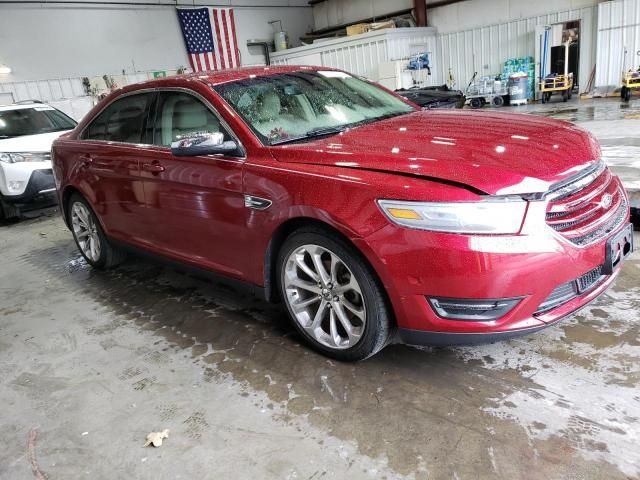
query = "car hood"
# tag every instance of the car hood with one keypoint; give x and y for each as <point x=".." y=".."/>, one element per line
<point x="30" y="143"/>
<point x="496" y="153"/>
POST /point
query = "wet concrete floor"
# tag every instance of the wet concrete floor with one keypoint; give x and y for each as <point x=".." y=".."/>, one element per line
<point x="90" y="362"/>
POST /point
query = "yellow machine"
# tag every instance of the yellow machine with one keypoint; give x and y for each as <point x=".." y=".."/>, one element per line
<point x="562" y="84"/>
<point x="630" y="81"/>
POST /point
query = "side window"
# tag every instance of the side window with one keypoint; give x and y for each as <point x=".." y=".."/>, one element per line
<point x="122" y="121"/>
<point x="180" y="114"/>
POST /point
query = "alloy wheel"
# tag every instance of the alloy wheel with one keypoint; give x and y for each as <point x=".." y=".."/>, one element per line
<point x="86" y="231"/>
<point x="324" y="297"/>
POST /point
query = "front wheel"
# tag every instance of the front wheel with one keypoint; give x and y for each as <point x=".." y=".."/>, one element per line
<point x="89" y="236"/>
<point x="334" y="299"/>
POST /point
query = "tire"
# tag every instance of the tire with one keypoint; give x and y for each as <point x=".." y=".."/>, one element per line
<point x="86" y="229"/>
<point x="497" y="101"/>
<point x="627" y="95"/>
<point x="323" y="313"/>
<point x="475" y="103"/>
<point x="570" y="93"/>
<point x="8" y="211"/>
<point x="623" y="93"/>
<point x="565" y="95"/>
<point x="544" y="99"/>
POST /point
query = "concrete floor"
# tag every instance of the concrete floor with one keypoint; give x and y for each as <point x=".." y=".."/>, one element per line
<point x="90" y="362"/>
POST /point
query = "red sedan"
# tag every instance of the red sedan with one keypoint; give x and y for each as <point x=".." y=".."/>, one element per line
<point x="370" y="219"/>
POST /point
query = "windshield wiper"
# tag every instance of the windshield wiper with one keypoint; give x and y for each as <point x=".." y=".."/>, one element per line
<point x="313" y="133"/>
<point x="325" y="131"/>
<point x="377" y="119"/>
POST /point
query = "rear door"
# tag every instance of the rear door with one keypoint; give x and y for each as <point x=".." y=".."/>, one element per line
<point x="109" y="157"/>
<point x="195" y="204"/>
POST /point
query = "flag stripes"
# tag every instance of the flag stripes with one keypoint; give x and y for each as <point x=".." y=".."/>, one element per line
<point x="210" y="38"/>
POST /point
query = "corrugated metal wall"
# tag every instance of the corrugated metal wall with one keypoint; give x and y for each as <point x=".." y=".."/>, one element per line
<point x="362" y="54"/>
<point x="485" y="49"/>
<point x="618" y="30"/>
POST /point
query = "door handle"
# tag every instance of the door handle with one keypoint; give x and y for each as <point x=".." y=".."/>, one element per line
<point x="86" y="159"/>
<point x="154" y="167"/>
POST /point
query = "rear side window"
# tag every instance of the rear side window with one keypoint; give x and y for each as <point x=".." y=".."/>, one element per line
<point x="122" y="121"/>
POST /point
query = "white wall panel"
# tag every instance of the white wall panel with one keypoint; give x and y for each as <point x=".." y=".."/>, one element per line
<point x="478" y="13"/>
<point x="40" y="41"/>
<point x="618" y="30"/>
<point x="485" y="49"/>
<point x="361" y="54"/>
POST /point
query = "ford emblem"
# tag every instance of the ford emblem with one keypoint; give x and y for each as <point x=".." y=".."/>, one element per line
<point x="607" y="200"/>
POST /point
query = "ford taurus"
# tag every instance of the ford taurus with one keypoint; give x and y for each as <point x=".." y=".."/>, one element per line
<point x="370" y="219"/>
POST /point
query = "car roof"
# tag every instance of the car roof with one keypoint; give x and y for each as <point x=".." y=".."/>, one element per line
<point x="22" y="106"/>
<point x="223" y="76"/>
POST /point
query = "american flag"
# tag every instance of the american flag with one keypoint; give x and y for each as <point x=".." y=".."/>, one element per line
<point x="210" y="37"/>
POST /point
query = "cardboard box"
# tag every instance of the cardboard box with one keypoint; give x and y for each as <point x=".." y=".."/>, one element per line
<point x="357" y="29"/>
<point x="382" y="25"/>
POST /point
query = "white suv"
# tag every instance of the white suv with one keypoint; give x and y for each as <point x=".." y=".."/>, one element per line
<point x="27" y="131"/>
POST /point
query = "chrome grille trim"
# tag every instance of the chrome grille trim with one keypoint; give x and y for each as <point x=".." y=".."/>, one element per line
<point x="577" y="208"/>
<point x="616" y="221"/>
<point x="572" y="185"/>
<point x="563" y="226"/>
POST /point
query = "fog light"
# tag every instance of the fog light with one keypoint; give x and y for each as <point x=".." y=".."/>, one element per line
<point x="16" y="186"/>
<point x="475" y="310"/>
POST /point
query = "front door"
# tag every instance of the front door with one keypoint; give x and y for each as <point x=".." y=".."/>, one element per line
<point x="195" y="204"/>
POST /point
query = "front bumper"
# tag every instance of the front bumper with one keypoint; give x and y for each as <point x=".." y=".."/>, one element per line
<point x="421" y="337"/>
<point x="417" y="265"/>
<point x="39" y="192"/>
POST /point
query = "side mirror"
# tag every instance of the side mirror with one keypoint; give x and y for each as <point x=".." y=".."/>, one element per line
<point x="202" y="144"/>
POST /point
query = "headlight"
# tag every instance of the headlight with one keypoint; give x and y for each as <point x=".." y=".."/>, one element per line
<point x="487" y="217"/>
<point x="24" y="157"/>
<point x="11" y="157"/>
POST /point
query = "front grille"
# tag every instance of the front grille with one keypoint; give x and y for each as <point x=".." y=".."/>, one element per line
<point x="560" y="295"/>
<point x="587" y="208"/>
<point x="587" y="280"/>
<point x="570" y="290"/>
<point x="606" y="228"/>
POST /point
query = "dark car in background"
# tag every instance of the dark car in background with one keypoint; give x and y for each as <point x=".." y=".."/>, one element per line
<point x="434" y="97"/>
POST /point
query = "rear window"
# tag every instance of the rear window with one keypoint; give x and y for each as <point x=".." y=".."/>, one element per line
<point x="32" y="121"/>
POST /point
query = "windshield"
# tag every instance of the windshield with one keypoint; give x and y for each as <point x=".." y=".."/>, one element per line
<point x="32" y="121"/>
<point x="302" y="105"/>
